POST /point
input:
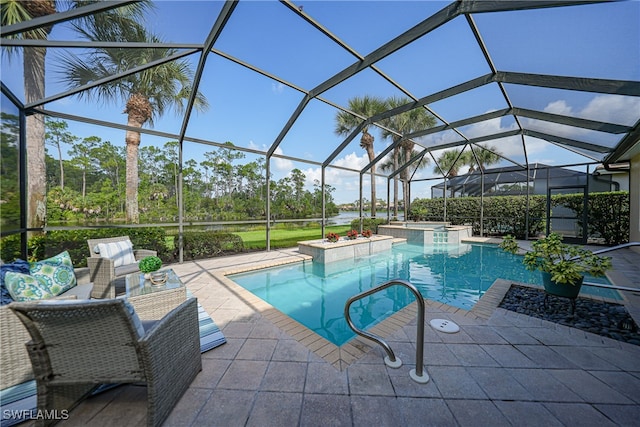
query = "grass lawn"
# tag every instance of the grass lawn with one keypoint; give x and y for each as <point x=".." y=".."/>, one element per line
<point x="281" y="238"/>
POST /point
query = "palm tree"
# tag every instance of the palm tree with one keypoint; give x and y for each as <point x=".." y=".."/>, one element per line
<point x="366" y="106"/>
<point x="404" y="124"/>
<point x="33" y="59"/>
<point x="14" y="12"/>
<point x="391" y="164"/>
<point x="485" y="157"/>
<point x="449" y="164"/>
<point x="148" y="94"/>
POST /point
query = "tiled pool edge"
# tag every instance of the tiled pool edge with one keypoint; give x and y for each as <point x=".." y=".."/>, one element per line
<point x="352" y="351"/>
<point x="340" y="357"/>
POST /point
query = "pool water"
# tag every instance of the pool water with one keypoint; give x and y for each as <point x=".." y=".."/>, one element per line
<point x="456" y="274"/>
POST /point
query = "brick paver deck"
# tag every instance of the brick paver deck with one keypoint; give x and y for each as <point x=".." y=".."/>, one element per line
<point x="502" y="368"/>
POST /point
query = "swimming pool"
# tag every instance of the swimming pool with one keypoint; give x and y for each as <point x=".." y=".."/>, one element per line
<point x="456" y="274"/>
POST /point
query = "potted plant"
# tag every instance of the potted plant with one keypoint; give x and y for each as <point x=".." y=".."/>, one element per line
<point x="366" y="233"/>
<point x="562" y="265"/>
<point x="149" y="264"/>
<point x="332" y="237"/>
<point x="352" y="234"/>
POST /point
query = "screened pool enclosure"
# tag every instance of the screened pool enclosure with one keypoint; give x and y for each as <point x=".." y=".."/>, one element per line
<point x="202" y="104"/>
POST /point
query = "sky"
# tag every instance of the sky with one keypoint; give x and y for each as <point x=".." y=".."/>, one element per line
<point x="250" y="110"/>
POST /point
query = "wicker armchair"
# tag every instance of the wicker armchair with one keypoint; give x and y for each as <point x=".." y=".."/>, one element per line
<point x="16" y="367"/>
<point x="104" y="274"/>
<point x="77" y="346"/>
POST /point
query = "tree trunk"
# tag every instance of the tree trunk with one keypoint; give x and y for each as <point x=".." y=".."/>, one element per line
<point x="374" y="199"/>
<point x="132" y="140"/>
<point x="405" y="186"/>
<point x="366" y="141"/>
<point x="84" y="183"/>
<point x="34" y="60"/>
<point x="61" y="165"/>
<point x="396" y="153"/>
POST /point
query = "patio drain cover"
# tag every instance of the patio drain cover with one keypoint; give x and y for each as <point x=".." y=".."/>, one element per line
<point x="446" y="326"/>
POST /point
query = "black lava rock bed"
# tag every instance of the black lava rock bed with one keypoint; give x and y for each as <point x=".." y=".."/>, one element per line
<point x="602" y="318"/>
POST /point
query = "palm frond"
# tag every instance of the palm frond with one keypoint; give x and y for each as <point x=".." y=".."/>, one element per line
<point x="166" y="86"/>
<point x="13" y="12"/>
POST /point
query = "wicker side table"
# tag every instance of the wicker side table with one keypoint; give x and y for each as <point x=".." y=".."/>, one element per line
<point x="152" y="301"/>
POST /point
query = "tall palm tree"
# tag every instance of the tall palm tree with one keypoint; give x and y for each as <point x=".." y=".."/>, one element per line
<point x="33" y="59"/>
<point x="405" y="123"/>
<point x="148" y="94"/>
<point x="16" y="11"/>
<point x="366" y="106"/>
<point x="391" y="164"/>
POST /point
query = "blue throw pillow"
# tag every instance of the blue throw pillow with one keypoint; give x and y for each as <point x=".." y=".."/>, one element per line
<point x="18" y="266"/>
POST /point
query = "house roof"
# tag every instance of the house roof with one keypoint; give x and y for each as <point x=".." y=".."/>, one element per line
<point x="509" y="175"/>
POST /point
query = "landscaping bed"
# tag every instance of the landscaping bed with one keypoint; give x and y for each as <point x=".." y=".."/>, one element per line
<point x="598" y="317"/>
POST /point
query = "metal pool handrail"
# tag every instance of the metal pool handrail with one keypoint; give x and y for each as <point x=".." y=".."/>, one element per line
<point x="417" y="375"/>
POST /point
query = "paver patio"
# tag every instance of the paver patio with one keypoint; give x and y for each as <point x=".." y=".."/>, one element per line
<point x="507" y="369"/>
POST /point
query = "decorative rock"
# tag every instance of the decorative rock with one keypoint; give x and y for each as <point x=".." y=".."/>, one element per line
<point x="601" y="318"/>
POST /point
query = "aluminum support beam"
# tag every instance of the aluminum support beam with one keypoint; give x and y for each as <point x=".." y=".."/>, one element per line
<point x="56" y="18"/>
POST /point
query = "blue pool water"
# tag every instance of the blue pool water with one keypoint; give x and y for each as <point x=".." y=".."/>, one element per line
<point x="315" y="294"/>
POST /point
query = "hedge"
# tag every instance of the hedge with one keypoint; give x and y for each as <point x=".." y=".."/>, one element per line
<point x="208" y="244"/>
<point x="502" y="215"/>
<point x="75" y="242"/>
<point x="368" y="224"/>
<point x="607" y="215"/>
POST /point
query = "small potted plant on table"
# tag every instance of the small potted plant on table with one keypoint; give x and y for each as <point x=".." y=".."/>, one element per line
<point x="562" y="265"/>
<point x="149" y="265"/>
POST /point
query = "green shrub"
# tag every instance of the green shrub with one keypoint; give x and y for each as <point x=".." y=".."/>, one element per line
<point x="368" y="223"/>
<point x="10" y="248"/>
<point x="208" y="244"/>
<point x="75" y="242"/>
<point x="501" y="214"/>
<point x="607" y="214"/>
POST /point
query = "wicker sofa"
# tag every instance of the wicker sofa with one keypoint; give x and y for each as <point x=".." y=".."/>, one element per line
<point x="106" y="277"/>
<point x="16" y="366"/>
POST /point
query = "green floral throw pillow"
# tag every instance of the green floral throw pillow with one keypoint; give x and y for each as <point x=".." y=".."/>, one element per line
<point x="55" y="274"/>
<point x="23" y="287"/>
<point x="63" y="258"/>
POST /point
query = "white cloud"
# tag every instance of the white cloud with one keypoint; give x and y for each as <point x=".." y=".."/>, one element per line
<point x="559" y="107"/>
<point x="608" y="108"/>
<point x="487" y="127"/>
<point x="346" y="184"/>
<point x="254" y="146"/>
<point x="281" y="164"/>
<point x="277" y="88"/>
<point x="603" y="108"/>
<point x="612" y="109"/>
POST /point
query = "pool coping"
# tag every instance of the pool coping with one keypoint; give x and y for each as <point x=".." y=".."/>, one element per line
<point x="340" y="357"/>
